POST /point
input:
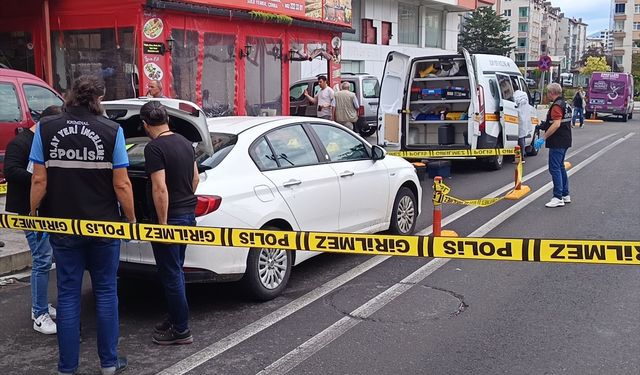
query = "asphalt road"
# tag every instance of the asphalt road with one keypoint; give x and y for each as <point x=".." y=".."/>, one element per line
<point x="374" y="315"/>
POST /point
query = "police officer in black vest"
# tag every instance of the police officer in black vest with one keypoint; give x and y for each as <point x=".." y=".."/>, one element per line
<point x="80" y="172"/>
<point x="557" y="136"/>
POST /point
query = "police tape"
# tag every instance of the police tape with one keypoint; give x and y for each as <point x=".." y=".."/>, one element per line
<point x="441" y="195"/>
<point x="507" y="249"/>
<point x="3" y="188"/>
<point x="424" y="154"/>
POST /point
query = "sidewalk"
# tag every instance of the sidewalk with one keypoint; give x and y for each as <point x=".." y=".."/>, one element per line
<point x="15" y="255"/>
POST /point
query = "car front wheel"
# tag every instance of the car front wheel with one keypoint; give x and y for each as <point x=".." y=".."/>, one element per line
<point x="268" y="272"/>
<point x="404" y="214"/>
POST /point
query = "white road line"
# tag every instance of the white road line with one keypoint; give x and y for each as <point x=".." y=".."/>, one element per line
<point x="300" y="354"/>
<point x="217" y="348"/>
<point x="449" y="218"/>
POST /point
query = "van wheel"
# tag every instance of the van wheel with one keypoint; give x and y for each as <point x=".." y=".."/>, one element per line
<point x="268" y="271"/>
<point x="530" y="150"/>
<point x="630" y="115"/>
<point x="495" y="163"/>
<point x="404" y="214"/>
<point x="367" y="131"/>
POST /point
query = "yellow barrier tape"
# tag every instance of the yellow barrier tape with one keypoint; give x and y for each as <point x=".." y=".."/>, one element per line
<point x="510" y="249"/>
<point x="441" y="191"/>
<point x="452" y="153"/>
<point x="3" y="188"/>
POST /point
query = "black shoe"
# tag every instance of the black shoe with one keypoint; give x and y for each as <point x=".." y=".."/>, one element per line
<point x="1" y="244"/>
<point x="162" y="326"/>
<point x="172" y="337"/>
<point x="120" y="366"/>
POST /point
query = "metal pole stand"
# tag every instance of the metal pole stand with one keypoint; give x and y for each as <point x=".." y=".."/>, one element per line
<point x="519" y="190"/>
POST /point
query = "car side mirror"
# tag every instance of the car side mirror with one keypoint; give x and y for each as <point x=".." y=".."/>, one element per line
<point x="377" y="153"/>
<point x="537" y="98"/>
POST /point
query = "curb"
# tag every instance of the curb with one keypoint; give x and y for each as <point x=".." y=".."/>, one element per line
<point x="15" y="262"/>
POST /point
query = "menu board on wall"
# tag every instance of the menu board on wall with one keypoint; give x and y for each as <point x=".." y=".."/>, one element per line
<point x="331" y="11"/>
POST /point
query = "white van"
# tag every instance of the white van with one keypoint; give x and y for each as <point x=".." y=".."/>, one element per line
<point x="452" y="102"/>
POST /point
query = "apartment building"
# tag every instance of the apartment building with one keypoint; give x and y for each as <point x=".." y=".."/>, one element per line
<point x="604" y="37"/>
<point x="626" y="31"/>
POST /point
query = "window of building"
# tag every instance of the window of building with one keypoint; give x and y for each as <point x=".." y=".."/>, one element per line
<point x="15" y="53"/>
<point x="263" y="77"/>
<point x="96" y="52"/>
<point x="218" y="75"/>
<point x="508" y="27"/>
<point x="408" y="26"/>
<point x="184" y="62"/>
<point x="522" y="42"/>
<point x="637" y="9"/>
<point x="351" y="66"/>
<point x="369" y="32"/>
<point x="617" y="60"/>
<point x="636" y="26"/>
<point x="520" y="56"/>
<point x="620" y="8"/>
<point x="507" y="12"/>
<point x="523" y="12"/>
<point x="434" y="28"/>
<point x="386" y="33"/>
<point x="523" y="26"/>
<point x="356" y="21"/>
<point x="618" y="25"/>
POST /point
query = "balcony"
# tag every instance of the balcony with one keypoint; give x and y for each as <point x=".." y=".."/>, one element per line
<point x="619" y="17"/>
<point x="619" y="34"/>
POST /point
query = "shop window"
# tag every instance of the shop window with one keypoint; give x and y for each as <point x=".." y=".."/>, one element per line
<point x="408" y="24"/>
<point x="16" y="51"/>
<point x="263" y="77"/>
<point x="369" y="33"/>
<point x="434" y="28"/>
<point x="218" y="75"/>
<point x="356" y="22"/>
<point x="96" y="52"/>
<point x="386" y="33"/>
<point x="184" y="64"/>
<point x="9" y="105"/>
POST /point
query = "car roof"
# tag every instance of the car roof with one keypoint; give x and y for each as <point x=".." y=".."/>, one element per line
<point x="19" y="74"/>
<point x="239" y="124"/>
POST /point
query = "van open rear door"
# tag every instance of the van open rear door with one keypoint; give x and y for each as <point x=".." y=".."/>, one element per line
<point x="473" y="128"/>
<point x="392" y="99"/>
<point x="508" y="111"/>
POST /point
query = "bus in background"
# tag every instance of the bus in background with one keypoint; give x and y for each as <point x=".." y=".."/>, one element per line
<point x="610" y="93"/>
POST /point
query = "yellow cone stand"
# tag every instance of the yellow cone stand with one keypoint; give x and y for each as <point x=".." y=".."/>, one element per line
<point x="594" y="118"/>
<point x="520" y="190"/>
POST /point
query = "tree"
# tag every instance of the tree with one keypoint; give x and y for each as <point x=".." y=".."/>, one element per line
<point x="486" y="32"/>
<point x="593" y="51"/>
<point x="595" y="64"/>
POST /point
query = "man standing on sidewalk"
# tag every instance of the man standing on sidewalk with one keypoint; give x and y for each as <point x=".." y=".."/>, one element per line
<point x="324" y="99"/>
<point x="17" y="170"/>
<point x="557" y="136"/>
<point x="80" y="172"/>
<point x="170" y="163"/>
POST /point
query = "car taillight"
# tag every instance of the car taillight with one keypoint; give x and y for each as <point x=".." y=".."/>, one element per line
<point x="207" y="204"/>
<point x="483" y="121"/>
<point x="361" y="111"/>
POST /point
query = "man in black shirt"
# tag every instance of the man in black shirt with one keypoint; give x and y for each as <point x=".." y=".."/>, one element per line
<point x="170" y="163"/>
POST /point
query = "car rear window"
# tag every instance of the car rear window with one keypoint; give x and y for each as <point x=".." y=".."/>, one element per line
<point x="370" y="88"/>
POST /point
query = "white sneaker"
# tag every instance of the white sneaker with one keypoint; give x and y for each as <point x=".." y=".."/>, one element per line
<point x="44" y="324"/>
<point x="566" y="199"/>
<point x="52" y="313"/>
<point x="555" y="202"/>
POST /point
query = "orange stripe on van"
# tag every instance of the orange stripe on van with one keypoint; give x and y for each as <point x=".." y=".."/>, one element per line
<point x="491" y="117"/>
<point x="511" y="119"/>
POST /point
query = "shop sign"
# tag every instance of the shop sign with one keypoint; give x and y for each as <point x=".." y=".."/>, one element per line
<point x="153" y="48"/>
<point x="331" y="11"/>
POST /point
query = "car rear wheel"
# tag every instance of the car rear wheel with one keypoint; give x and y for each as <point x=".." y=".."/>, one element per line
<point x="404" y="214"/>
<point x="268" y="272"/>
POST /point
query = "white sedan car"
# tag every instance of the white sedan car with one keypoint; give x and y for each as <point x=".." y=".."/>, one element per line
<point x="287" y="173"/>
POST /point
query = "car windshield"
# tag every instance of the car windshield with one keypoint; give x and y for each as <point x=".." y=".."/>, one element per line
<point x="222" y="144"/>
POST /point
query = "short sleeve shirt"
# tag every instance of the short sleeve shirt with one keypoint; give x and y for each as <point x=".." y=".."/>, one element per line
<point x="326" y="97"/>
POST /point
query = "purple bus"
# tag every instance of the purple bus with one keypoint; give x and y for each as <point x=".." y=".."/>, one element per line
<point x="610" y="93"/>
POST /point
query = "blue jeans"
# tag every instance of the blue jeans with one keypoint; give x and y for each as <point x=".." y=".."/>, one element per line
<point x="100" y="256"/>
<point x="558" y="172"/>
<point x="169" y="261"/>
<point x="41" y="256"/>
<point x="578" y="113"/>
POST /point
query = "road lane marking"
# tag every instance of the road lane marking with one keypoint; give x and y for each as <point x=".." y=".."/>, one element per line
<point x="310" y="347"/>
<point x="210" y="352"/>
<point x="460" y="213"/>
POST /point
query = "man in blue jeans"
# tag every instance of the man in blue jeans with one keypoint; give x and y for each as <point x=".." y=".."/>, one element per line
<point x="170" y="163"/>
<point x="80" y="172"/>
<point x="557" y="136"/>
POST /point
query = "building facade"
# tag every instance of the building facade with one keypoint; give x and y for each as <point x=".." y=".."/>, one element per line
<point x="625" y="23"/>
<point x="602" y="38"/>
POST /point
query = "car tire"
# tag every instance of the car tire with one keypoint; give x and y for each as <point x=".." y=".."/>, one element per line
<point x="530" y="150"/>
<point x="495" y="163"/>
<point x="404" y="212"/>
<point x="268" y="271"/>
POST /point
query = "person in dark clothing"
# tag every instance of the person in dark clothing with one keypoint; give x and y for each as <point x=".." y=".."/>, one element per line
<point x="17" y="170"/>
<point x="80" y="172"/>
<point x="578" y="107"/>
<point x="170" y="164"/>
<point x="557" y="136"/>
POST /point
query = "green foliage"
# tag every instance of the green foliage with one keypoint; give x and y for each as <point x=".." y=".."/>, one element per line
<point x="595" y="64"/>
<point x="592" y="51"/>
<point x="635" y="70"/>
<point x="486" y="32"/>
<point x="270" y="17"/>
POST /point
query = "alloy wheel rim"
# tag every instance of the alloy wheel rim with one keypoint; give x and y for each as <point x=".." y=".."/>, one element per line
<point x="405" y="214"/>
<point x="272" y="267"/>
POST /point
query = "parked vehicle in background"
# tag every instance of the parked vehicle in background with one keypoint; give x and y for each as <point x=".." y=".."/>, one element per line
<point x="610" y="93"/>
<point x="566" y="79"/>
<point x="530" y="82"/>
<point x="365" y="86"/>
<point x="452" y="102"/>
<point x="283" y="173"/>
<point x="23" y="97"/>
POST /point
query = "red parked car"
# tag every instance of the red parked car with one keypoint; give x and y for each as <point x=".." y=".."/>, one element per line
<point x="23" y="97"/>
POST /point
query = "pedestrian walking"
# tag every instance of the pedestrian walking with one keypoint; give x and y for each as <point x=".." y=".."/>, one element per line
<point x="578" y="107"/>
<point x="17" y="170"/>
<point x="324" y="99"/>
<point x="170" y="164"/>
<point x="557" y="136"/>
<point x="346" y="109"/>
<point x="521" y="99"/>
<point x="80" y="173"/>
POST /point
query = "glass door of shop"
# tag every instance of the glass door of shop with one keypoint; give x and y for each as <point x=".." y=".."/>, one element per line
<point x="263" y="76"/>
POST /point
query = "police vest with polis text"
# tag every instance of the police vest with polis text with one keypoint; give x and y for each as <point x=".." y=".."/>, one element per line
<point x="78" y="154"/>
<point x="561" y="138"/>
